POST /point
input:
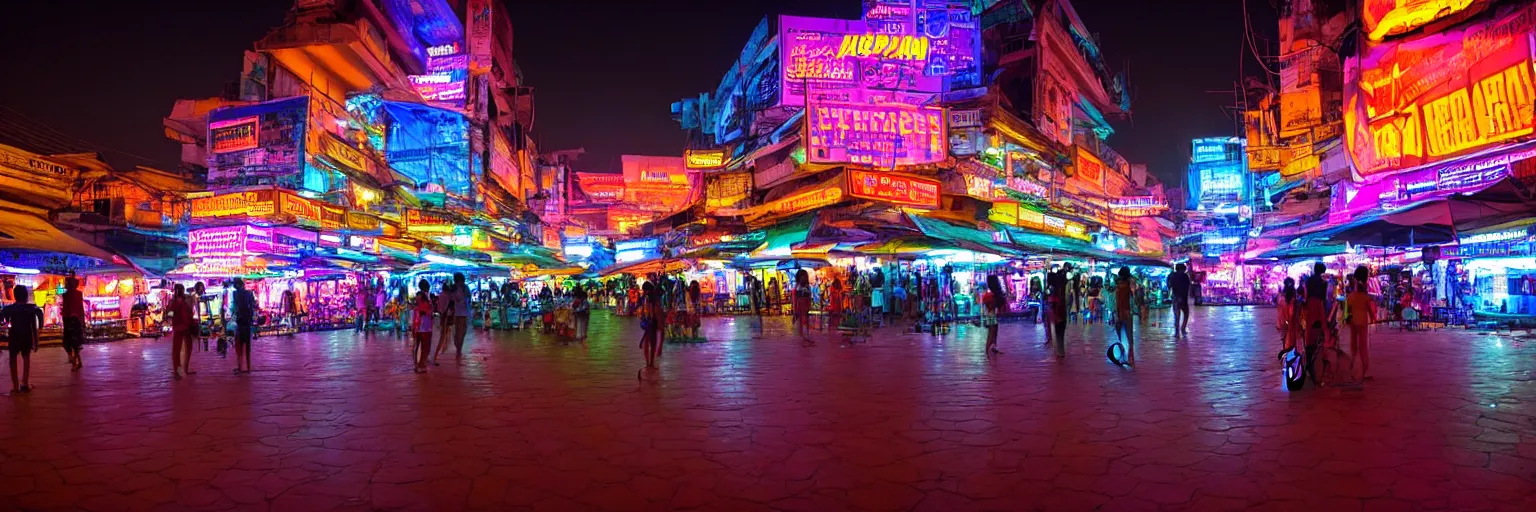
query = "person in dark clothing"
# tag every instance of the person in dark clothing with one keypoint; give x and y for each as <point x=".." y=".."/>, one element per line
<point x="1317" y="297"/>
<point x="244" y="305"/>
<point x="25" y="320"/>
<point x="1057" y="284"/>
<point x="1179" y="284"/>
<point x="74" y="322"/>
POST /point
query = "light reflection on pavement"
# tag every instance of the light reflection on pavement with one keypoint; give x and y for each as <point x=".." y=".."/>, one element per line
<point x="753" y="420"/>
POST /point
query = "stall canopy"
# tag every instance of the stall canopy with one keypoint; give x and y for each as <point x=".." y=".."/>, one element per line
<point x="24" y="229"/>
<point x="964" y="237"/>
<point x="780" y="239"/>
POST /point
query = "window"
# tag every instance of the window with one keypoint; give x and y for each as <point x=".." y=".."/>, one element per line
<point x="102" y="207"/>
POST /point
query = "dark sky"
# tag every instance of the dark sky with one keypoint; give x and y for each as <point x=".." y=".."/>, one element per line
<point x="605" y="72"/>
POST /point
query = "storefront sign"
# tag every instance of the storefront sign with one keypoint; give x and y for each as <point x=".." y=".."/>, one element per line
<point x="704" y="159"/>
<point x="844" y="56"/>
<point x="1383" y="18"/>
<point x="894" y="188"/>
<point x="1089" y="171"/>
<point x="1498" y="236"/>
<point x="978" y="187"/>
<point x="1435" y="97"/>
<point x="1004" y="212"/>
<point x="881" y="136"/>
<point x="818" y="197"/>
<point x="342" y="154"/>
<point x="439" y="87"/>
<point x="229" y="241"/>
<point x="418" y="220"/>
<point x="363" y="244"/>
<point x="246" y="204"/>
<point x="1081" y="208"/>
<point x="726" y="190"/>
<point x="233" y="134"/>
<point x="964" y="118"/>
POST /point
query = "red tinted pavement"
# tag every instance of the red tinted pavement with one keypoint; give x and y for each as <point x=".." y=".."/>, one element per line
<point x="337" y="421"/>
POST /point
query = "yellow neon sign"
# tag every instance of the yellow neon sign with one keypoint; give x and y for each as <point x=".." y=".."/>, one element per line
<point x="884" y="45"/>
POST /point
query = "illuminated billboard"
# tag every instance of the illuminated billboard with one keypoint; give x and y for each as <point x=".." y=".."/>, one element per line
<point x="893" y="188"/>
<point x="1441" y="96"/>
<point x="900" y="52"/>
<point x="431" y="147"/>
<point x="1385" y="18"/>
<point x="261" y="144"/>
<point x="880" y="136"/>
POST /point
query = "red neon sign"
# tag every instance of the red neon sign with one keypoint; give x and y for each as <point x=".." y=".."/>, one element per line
<point x="894" y="189"/>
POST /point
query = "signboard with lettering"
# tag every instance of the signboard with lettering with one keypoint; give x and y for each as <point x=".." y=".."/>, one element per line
<point x="964" y="118"/>
<point x="342" y="154"/>
<point x="1440" y="96"/>
<point x="880" y="136"/>
<point x="900" y="53"/>
<point x="805" y="200"/>
<point x="233" y="134"/>
<point x="1090" y="171"/>
<point x="894" y="188"/>
<point x="704" y="159"/>
<point x="726" y="191"/>
<point x="39" y="176"/>
<point x="420" y="220"/>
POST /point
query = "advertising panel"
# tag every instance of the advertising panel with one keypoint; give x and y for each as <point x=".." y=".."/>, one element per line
<point x="1350" y="199"/>
<point x="805" y="200"/>
<point x="229" y="241"/>
<point x="1090" y="171"/>
<point x="480" y="35"/>
<point x="879" y="136"/>
<point x="601" y="187"/>
<point x="726" y="191"/>
<point x="900" y="53"/>
<point x="1385" y="18"/>
<point x="250" y="204"/>
<point x="704" y="159"/>
<point x="893" y="188"/>
<point x="277" y="155"/>
<point x="1440" y="96"/>
<point x="504" y="169"/>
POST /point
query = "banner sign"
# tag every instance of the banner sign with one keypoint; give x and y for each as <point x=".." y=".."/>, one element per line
<point x="1439" y="96"/>
<point x="894" y="189"/>
<point x="964" y="118"/>
<point x="601" y="187"/>
<point x="247" y="204"/>
<point x="978" y="187"/>
<point x="1090" y="170"/>
<point x="1073" y="205"/>
<point x="419" y="220"/>
<point x="1350" y="199"/>
<point x="806" y="200"/>
<point x="898" y="54"/>
<point x="880" y="136"/>
<point x="704" y="159"/>
<point x="233" y="134"/>
<point x="342" y="153"/>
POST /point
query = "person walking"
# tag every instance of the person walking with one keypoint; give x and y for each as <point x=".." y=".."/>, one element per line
<point x="1057" y="284"/>
<point x="994" y="302"/>
<point x="1124" y="290"/>
<point x="25" y="321"/>
<point x="421" y="325"/>
<point x="835" y="300"/>
<point x="183" y="326"/>
<point x="244" y="305"/>
<point x="74" y="322"/>
<point x="650" y="323"/>
<point x="449" y="303"/>
<point x="1179" y="284"/>
<point x="581" y="312"/>
<point x="801" y="306"/>
<point x="1362" y="313"/>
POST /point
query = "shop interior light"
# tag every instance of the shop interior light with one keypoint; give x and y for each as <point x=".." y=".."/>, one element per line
<point x="434" y="258"/>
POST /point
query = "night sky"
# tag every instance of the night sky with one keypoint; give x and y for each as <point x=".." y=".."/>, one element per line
<point x="604" y="72"/>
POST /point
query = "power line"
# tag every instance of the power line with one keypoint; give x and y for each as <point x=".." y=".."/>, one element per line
<point x="1248" y="36"/>
<point x="43" y="138"/>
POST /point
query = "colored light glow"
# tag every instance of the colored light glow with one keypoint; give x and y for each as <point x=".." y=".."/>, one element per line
<point x="894" y="189"/>
<point x="1493" y="237"/>
<point x="807" y="200"/>
<point x="447" y="260"/>
<point x="1431" y="98"/>
<point x="628" y="256"/>
<point x="704" y="159"/>
<point x="6" y="269"/>
<point x="1383" y="18"/>
<point x="883" y="136"/>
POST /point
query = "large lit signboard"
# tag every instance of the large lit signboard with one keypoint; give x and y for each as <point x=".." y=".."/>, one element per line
<point x="235" y="205"/>
<point x="601" y="187"/>
<point x="1089" y="171"/>
<point x="1440" y="96"/>
<point x="726" y="191"/>
<point x="805" y="200"/>
<point x="1384" y="18"/>
<point x="1350" y="199"/>
<point x="268" y="152"/>
<point x="881" y="136"/>
<point x="894" y="189"/>
<point x="898" y="49"/>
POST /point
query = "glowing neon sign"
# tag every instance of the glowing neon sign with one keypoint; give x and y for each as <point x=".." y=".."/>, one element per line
<point x="894" y="189"/>
<point x="882" y="136"/>
<point x="897" y="47"/>
<point x="234" y="134"/>
<point x="1433" y="98"/>
<point x="1499" y="236"/>
<point x="229" y="241"/>
<point x="704" y="159"/>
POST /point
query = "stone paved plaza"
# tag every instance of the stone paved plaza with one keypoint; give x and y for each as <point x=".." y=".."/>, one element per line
<point x="753" y="421"/>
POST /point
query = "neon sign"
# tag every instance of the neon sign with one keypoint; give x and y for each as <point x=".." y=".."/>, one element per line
<point x="900" y="57"/>
<point x="808" y="200"/>
<point x="1433" y="98"/>
<point x="884" y="136"/>
<point x="443" y="49"/>
<point x="882" y="45"/>
<point x="894" y="189"/>
<point x="229" y="241"/>
<point x="233" y="135"/>
<point x="703" y="159"/>
<point x="1498" y="236"/>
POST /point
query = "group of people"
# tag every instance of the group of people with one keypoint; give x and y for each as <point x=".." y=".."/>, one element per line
<point x="1311" y="314"/>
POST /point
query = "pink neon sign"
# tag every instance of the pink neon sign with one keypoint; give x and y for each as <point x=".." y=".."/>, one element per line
<point x="882" y="136"/>
<point x="229" y="241"/>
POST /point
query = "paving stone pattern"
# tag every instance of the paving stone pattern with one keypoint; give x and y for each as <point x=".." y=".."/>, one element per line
<point x="754" y="421"/>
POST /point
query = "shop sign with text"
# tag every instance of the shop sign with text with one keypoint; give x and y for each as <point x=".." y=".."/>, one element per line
<point x="818" y="197"/>
<point x="704" y="159"/>
<point x="894" y="188"/>
<point x="233" y="134"/>
<point x="881" y="136"/>
<point x="1439" y="96"/>
<point x="1385" y="18"/>
<point x="235" y="205"/>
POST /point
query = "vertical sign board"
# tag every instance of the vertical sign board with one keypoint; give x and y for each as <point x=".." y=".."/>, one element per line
<point x="1429" y="99"/>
